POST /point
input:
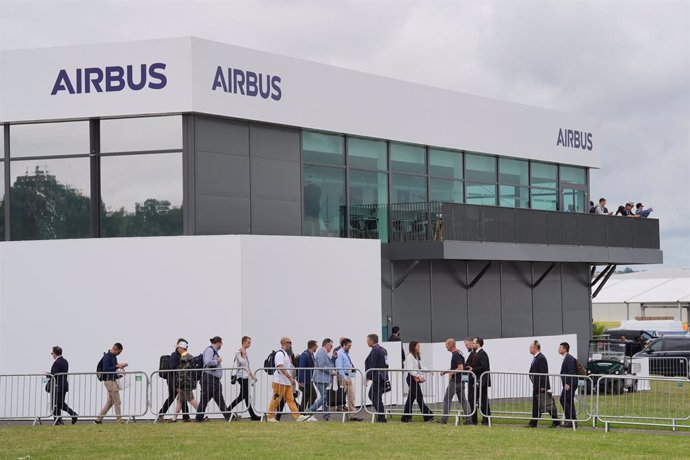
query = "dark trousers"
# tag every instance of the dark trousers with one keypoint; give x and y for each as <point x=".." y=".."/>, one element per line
<point x="172" y="394"/>
<point x="376" y="398"/>
<point x="243" y="396"/>
<point x="211" y="388"/>
<point x="59" y="405"/>
<point x="568" y="403"/>
<point x="473" y="394"/>
<point x="415" y="394"/>
<point x="308" y="396"/>
<point x="543" y="402"/>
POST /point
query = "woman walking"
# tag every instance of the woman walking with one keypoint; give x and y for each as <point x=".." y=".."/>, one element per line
<point x="414" y="380"/>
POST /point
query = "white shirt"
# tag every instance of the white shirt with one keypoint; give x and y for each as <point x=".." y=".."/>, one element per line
<point x="413" y="365"/>
<point x="282" y="359"/>
<point x="244" y="371"/>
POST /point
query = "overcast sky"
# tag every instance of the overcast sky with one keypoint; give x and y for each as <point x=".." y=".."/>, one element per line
<point x="624" y="62"/>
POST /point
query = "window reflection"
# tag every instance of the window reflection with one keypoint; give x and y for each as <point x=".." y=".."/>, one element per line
<point x="544" y="199"/>
<point x="50" y="199"/>
<point x="573" y="175"/>
<point x="141" y="195"/>
<point x="445" y="163"/>
<point x="322" y="148"/>
<point x="137" y="134"/>
<point x="449" y="191"/>
<point x="368" y="190"/>
<point x="366" y="153"/>
<point x="483" y="194"/>
<point x="408" y="158"/>
<point x="408" y="189"/>
<point x="66" y="138"/>
<point x="544" y="175"/>
<point x="513" y="197"/>
<point x="324" y="201"/>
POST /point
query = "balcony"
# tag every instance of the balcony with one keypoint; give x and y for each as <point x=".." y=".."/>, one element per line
<point x="469" y="232"/>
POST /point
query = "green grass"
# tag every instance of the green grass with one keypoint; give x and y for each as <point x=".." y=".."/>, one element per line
<point x="329" y="440"/>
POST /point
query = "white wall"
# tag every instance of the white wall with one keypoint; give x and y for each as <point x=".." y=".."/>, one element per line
<point x="146" y="292"/>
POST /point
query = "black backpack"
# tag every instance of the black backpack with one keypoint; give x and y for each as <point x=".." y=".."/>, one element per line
<point x="164" y="365"/>
<point x="99" y="369"/>
<point x="197" y="364"/>
<point x="270" y="362"/>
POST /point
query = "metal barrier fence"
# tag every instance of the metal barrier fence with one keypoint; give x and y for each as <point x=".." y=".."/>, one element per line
<point x="666" y="403"/>
<point x="173" y="390"/>
<point x="340" y="387"/>
<point x="92" y="398"/>
<point x="431" y="396"/>
<point x="25" y="397"/>
<point x="668" y="367"/>
<point x="512" y="397"/>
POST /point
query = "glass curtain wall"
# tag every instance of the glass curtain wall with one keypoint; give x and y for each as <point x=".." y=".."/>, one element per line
<point x="368" y="188"/>
<point x="446" y="176"/>
<point x="480" y="176"/>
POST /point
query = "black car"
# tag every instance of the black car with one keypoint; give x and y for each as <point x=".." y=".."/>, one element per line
<point x="638" y="338"/>
<point x="668" y="355"/>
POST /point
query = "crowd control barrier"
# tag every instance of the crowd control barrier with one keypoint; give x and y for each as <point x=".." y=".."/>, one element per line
<point x="343" y="393"/>
<point x="666" y="403"/>
<point x="434" y="388"/>
<point x="88" y="395"/>
<point x="169" y="388"/>
<point x="512" y="397"/>
<point x="25" y="397"/>
<point x="668" y="367"/>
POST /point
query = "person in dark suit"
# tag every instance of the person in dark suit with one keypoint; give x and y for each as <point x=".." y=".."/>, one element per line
<point x="377" y="359"/>
<point x="304" y="375"/>
<point x="478" y="364"/>
<point x="395" y="334"/>
<point x="541" y="387"/>
<point x="569" y="367"/>
<point x="59" y="386"/>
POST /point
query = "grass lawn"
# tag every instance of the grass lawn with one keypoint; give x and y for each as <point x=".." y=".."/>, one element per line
<point x="329" y="440"/>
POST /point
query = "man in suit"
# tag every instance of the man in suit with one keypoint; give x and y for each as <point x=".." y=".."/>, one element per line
<point x="305" y="374"/>
<point x="478" y="364"/>
<point x="569" y="367"/>
<point x="377" y="359"/>
<point x="59" y="386"/>
<point x="541" y="387"/>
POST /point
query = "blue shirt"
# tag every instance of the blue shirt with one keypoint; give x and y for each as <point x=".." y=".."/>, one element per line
<point x="210" y="361"/>
<point x="343" y="363"/>
<point x="109" y="366"/>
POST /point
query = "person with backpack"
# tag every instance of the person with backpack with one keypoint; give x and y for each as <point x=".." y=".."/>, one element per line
<point x="569" y="367"/>
<point x="211" y="386"/>
<point x="305" y="374"/>
<point x="283" y="382"/>
<point x="171" y="379"/>
<point x="185" y="383"/>
<point x="107" y="372"/>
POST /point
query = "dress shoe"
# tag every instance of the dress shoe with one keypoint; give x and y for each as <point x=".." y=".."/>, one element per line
<point x="59" y="422"/>
<point x="74" y="419"/>
<point x="555" y="424"/>
<point x="98" y="422"/>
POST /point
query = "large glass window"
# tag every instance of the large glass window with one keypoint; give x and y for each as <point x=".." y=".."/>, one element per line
<point x="408" y="158"/>
<point x="445" y="163"/>
<point x="139" y="134"/>
<point x="324" y="201"/>
<point x="366" y="153"/>
<point x="446" y="190"/>
<point x="39" y="139"/>
<point x="544" y="198"/>
<point x="573" y="200"/>
<point x="544" y="175"/>
<point x="480" y="168"/>
<point x="408" y="189"/>
<point x="50" y="199"/>
<point x="482" y="194"/>
<point x="368" y="190"/>
<point x="142" y="195"/>
<point x="513" y="172"/>
<point x="322" y="148"/>
<point x="511" y="196"/>
<point x="573" y="175"/>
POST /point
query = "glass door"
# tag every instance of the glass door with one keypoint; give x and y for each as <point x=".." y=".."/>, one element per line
<point x="573" y="199"/>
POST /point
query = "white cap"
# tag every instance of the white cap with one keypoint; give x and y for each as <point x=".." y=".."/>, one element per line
<point x="184" y="345"/>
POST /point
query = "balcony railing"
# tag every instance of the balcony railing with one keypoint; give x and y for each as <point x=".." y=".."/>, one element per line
<point x="438" y="221"/>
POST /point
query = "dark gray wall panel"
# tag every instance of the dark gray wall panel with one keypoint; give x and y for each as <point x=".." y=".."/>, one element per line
<point x="221" y="174"/>
<point x="270" y="217"/>
<point x="577" y="316"/>
<point x="275" y="180"/>
<point x="386" y="283"/>
<point x="516" y="298"/>
<point x="449" y="309"/>
<point x="275" y="142"/>
<point x="222" y="215"/>
<point x="411" y="309"/>
<point x="548" y="309"/>
<point x="485" y="301"/>
<point x="222" y="135"/>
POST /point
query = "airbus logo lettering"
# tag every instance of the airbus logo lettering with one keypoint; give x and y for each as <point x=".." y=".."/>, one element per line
<point x="247" y="83"/>
<point x="110" y="79"/>
<point x="574" y="139"/>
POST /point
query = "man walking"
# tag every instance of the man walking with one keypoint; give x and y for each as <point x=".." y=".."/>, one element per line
<point x="541" y="387"/>
<point x="305" y="375"/>
<point x="109" y="366"/>
<point x="377" y="359"/>
<point x="171" y="379"/>
<point x="59" y="386"/>
<point x="569" y="367"/>
<point x="346" y="376"/>
<point x="283" y="382"/>
<point x="455" y="384"/>
<point x="478" y="364"/>
<point x="211" y="386"/>
<point x="323" y="377"/>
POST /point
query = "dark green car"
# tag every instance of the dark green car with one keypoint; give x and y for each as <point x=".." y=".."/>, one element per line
<point x="609" y="357"/>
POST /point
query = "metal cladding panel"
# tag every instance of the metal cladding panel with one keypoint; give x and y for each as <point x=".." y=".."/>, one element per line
<point x="516" y="299"/>
<point x="531" y="227"/>
<point x="449" y="312"/>
<point x="563" y="228"/>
